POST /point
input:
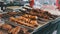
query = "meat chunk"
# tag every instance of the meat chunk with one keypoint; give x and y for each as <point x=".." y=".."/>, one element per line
<point x="34" y="22"/>
<point x="6" y="26"/>
<point x="15" y="30"/>
<point x="30" y="16"/>
<point x="13" y="19"/>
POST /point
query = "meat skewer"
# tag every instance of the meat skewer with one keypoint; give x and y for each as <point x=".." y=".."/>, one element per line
<point x="27" y="24"/>
<point x="6" y="27"/>
<point x="33" y="22"/>
<point x="15" y="30"/>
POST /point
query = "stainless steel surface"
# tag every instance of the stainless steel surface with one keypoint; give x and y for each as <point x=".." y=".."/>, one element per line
<point x="41" y="23"/>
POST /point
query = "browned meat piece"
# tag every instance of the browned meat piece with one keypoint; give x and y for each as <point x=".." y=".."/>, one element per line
<point x="13" y="19"/>
<point x="21" y="21"/>
<point x="6" y="26"/>
<point x="41" y="14"/>
<point x="24" y="31"/>
<point x="24" y="19"/>
<point x="30" y="16"/>
<point x="15" y="30"/>
<point x="34" y="22"/>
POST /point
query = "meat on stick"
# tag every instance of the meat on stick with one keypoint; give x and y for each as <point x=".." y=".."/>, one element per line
<point x="15" y="30"/>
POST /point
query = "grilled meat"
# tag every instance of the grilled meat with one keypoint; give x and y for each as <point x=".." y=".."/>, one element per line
<point x="15" y="30"/>
<point x="6" y="26"/>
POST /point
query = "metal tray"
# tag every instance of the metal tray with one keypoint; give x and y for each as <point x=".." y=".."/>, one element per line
<point x="41" y="25"/>
<point x="32" y="29"/>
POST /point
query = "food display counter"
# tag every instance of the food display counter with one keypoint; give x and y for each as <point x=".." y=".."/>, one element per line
<point x="28" y="21"/>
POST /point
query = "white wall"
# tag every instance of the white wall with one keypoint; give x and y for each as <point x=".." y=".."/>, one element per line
<point x="44" y="1"/>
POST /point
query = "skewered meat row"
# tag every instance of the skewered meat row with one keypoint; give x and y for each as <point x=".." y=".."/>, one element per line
<point x="30" y="16"/>
<point x="21" y="22"/>
<point x="42" y="14"/>
<point x="31" y="24"/>
<point x="25" y="21"/>
<point x="6" y="27"/>
<point x="16" y="30"/>
<point x="24" y="31"/>
<point x="29" y="19"/>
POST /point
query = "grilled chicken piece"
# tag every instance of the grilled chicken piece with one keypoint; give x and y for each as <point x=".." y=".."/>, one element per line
<point x="15" y="30"/>
<point x="24" y="19"/>
<point x="24" y="31"/>
<point x="34" y="22"/>
<point x="30" y="16"/>
<point x="6" y="26"/>
<point x="13" y="19"/>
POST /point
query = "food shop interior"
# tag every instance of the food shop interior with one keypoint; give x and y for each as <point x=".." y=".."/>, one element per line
<point x="29" y="16"/>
